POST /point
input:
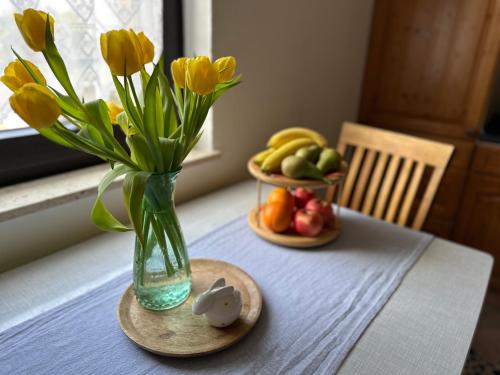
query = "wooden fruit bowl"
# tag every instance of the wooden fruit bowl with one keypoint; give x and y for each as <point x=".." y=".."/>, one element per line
<point x="283" y="181"/>
<point x="292" y="240"/>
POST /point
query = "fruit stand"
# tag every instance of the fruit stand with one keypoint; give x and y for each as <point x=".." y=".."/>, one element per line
<point x="333" y="192"/>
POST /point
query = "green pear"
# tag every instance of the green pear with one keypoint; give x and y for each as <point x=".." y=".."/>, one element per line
<point x="329" y="161"/>
<point x="298" y="167"/>
<point x="311" y="153"/>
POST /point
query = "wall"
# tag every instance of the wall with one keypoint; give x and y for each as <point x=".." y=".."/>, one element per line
<point x="302" y="64"/>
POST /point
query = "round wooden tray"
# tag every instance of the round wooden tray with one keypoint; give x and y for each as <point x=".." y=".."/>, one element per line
<point x="180" y="333"/>
<point x="283" y="181"/>
<point x="291" y="240"/>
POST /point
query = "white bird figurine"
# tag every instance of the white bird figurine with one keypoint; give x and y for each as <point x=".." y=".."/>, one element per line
<point x="221" y="304"/>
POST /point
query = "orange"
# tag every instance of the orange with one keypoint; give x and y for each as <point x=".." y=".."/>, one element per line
<point x="281" y="195"/>
<point x="277" y="216"/>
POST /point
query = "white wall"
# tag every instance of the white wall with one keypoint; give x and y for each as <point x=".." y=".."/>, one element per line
<point x="302" y="64"/>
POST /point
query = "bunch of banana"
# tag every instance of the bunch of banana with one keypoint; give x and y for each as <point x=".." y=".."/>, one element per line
<point x="285" y="143"/>
<point x="286" y="135"/>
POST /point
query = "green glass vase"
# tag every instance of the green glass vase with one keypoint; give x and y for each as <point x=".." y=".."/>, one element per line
<point x="162" y="275"/>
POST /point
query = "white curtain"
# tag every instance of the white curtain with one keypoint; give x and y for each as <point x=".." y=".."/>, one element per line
<point x="78" y="24"/>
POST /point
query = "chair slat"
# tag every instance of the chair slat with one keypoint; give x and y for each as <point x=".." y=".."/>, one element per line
<point x="425" y="204"/>
<point x="386" y="186"/>
<point x="410" y="194"/>
<point x="399" y="190"/>
<point x="375" y="183"/>
<point x="362" y="179"/>
<point x="351" y="177"/>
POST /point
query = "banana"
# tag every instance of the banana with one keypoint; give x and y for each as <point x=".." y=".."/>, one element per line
<point x="286" y="135"/>
<point x="272" y="162"/>
<point x="261" y="156"/>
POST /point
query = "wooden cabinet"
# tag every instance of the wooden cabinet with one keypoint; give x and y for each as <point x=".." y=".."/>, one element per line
<point x="430" y="65"/>
<point x="429" y="73"/>
<point x="478" y="223"/>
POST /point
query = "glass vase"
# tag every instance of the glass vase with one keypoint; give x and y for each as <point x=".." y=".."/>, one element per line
<point x="162" y="275"/>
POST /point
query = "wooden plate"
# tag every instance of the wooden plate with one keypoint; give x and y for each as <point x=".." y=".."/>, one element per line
<point x="283" y="181"/>
<point x="180" y="333"/>
<point x="291" y="240"/>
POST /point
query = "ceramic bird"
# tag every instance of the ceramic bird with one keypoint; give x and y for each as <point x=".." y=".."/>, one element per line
<point x="221" y="304"/>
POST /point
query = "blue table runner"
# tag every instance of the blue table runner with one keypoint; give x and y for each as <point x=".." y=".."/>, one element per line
<point x="317" y="303"/>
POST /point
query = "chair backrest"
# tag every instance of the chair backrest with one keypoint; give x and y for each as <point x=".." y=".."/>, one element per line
<point x="391" y="176"/>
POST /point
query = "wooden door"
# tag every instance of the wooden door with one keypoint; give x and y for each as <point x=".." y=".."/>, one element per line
<point x="430" y="65"/>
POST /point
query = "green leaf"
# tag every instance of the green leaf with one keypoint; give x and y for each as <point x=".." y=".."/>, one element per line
<point x="99" y="116"/>
<point x="90" y="147"/>
<point x="178" y="152"/>
<point x="151" y="118"/>
<point x="133" y="192"/>
<point x="167" y="147"/>
<point x="56" y="63"/>
<point x="144" y="80"/>
<point x="81" y="143"/>
<point x="170" y="123"/>
<point x="150" y="104"/>
<point x="27" y="67"/>
<point x="122" y="120"/>
<point x="68" y="107"/>
<point x="50" y="134"/>
<point x="98" y="113"/>
<point x="160" y="129"/>
<point x="128" y="106"/>
<point x="91" y="133"/>
<point x="141" y="153"/>
<point x="100" y="215"/>
<point x="221" y="88"/>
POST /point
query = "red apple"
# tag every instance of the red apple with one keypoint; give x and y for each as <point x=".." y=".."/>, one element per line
<point x="308" y="223"/>
<point x="302" y="196"/>
<point x="322" y="207"/>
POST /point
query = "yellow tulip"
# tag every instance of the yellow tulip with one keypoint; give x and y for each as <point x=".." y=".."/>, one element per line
<point x="122" y="51"/>
<point x="178" y="69"/>
<point x="148" y="48"/>
<point x="36" y="105"/>
<point x="114" y="110"/>
<point x="201" y="76"/>
<point x="225" y="67"/>
<point x="32" y="24"/>
<point x="16" y="75"/>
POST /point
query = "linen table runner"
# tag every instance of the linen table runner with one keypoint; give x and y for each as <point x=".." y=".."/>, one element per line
<point x="317" y="303"/>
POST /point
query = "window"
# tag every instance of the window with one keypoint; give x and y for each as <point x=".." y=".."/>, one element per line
<point x="26" y="155"/>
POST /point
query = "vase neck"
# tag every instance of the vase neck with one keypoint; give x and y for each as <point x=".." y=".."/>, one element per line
<point x="159" y="193"/>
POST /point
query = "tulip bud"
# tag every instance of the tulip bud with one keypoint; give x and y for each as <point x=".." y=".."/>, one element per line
<point x="148" y="48"/>
<point x="36" y="105"/>
<point x="201" y="76"/>
<point x="16" y="75"/>
<point x="32" y="24"/>
<point x="178" y="70"/>
<point x="225" y="67"/>
<point x="121" y="49"/>
<point x="114" y="110"/>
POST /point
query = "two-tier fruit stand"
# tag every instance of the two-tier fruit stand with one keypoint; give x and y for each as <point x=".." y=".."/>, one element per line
<point x="333" y="192"/>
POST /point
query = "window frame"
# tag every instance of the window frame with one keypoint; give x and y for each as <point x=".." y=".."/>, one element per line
<point x="26" y="155"/>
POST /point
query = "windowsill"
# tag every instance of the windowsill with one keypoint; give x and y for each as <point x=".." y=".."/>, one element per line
<point x="29" y="197"/>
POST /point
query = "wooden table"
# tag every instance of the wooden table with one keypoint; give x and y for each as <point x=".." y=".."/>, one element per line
<point x="425" y="328"/>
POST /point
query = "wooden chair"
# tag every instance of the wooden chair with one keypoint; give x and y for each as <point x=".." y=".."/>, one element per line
<point x="392" y="176"/>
